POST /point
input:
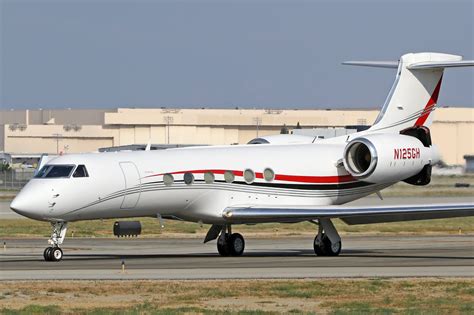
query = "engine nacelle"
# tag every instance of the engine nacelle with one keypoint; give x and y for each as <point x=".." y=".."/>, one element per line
<point x="386" y="158"/>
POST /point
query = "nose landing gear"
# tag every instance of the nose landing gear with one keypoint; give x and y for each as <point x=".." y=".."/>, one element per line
<point x="54" y="253"/>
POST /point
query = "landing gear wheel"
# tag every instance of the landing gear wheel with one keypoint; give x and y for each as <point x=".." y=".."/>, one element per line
<point x="331" y="249"/>
<point x="323" y="247"/>
<point x="236" y="244"/>
<point x="56" y="254"/>
<point x="47" y="253"/>
<point x="231" y="244"/>
<point x="318" y="246"/>
<point x="322" y="244"/>
<point x="222" y="245"/>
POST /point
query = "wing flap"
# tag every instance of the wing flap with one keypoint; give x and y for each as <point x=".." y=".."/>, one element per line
<point x="350" y="215"/>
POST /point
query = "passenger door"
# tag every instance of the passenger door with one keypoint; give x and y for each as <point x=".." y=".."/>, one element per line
<point x="132" y="185"/>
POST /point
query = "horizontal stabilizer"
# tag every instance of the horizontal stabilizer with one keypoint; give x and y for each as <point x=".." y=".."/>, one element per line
<point x="440" y="64"/>
<point x="377" y="64"/>
<point x="349" y="214"/>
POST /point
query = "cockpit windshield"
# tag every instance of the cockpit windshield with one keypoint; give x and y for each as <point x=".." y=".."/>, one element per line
<point x="55" y="171"/>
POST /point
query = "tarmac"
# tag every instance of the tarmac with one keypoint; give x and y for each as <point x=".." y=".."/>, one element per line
<point x="293" y="257"/>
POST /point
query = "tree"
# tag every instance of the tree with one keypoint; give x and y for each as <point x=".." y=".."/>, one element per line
<point x="4" y="166"/>
<point x="284" y="130"/>
<point x="298" y="126"/>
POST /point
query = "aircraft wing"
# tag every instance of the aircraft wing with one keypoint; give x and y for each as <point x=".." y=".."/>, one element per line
<point x="349" y="214"/>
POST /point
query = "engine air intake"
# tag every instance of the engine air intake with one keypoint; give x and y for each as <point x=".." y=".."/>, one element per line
<point x="360" y="158"/>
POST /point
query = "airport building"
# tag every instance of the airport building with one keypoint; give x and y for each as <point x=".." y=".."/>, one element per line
<point x="29" y="133"/>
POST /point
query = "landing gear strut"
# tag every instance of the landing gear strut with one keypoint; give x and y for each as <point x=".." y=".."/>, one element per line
<point x="327" y="242"/>
<point x="230" y="244"/>
<point x="53" y="252"/>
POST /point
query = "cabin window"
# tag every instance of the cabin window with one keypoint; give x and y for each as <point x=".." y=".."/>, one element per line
<point x="188" y="178"/>
<point x="269" y="174"/>
<point x="249" y="176"/>
<point x="168" y="179"/>
<point x="229" y="176"/>
<point x="80" y="171"/>
<point x="209" y="178"/>
<point x="55" y="171"/>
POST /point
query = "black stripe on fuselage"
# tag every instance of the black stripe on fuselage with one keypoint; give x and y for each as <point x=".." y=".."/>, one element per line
<point x="340" y="186"/>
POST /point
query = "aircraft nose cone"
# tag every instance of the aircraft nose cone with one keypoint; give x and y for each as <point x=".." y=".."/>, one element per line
<point x="18" y="206"/>
<point x="23" y="207"/>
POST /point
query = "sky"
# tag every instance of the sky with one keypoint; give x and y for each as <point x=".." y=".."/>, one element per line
<point x="222" y="53"/>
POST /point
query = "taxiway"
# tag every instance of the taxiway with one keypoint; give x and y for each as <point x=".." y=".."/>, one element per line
<point x="362" y="256"/>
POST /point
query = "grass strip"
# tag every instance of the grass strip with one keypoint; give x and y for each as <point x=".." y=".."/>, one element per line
<point x="322" y="296"/>
<point x="151" y="228"/>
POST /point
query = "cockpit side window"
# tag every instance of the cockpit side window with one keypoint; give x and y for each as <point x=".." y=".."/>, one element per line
<point x="80" y="171"/>
<point x="45" y="169"/>
<point x="55" y="171"/>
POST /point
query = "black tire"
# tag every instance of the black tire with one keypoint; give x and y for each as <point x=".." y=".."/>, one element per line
<point x="318" y="246"/>
<point x="56" y="254"/>
<point x="236" y="244"/>
<point x="46" y="253"/>
<point x="331" y="249"/>
<point x="223" y="245"/>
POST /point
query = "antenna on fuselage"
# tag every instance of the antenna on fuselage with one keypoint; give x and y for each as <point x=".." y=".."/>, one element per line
<point x="148" y="146"/>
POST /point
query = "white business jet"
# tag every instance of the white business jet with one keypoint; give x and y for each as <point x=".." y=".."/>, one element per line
<point x="257" y="183"/>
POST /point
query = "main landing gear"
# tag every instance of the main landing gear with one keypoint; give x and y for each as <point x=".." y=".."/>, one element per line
<point x="327" y="242"/>
<point x="53" y="252"/>
<point x="230" y="244"/>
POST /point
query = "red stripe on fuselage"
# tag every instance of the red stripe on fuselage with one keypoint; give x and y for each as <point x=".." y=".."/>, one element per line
<point x="236" y="173"/>
<point x="282" y="177"/>
<point x="314" y="179"/>
<point x="429" y="106"/>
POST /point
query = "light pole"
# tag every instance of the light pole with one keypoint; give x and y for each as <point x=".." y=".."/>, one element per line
<point x="257" y="121"/>
<point x="58" y="136"/>
<point x="168" y="120"/>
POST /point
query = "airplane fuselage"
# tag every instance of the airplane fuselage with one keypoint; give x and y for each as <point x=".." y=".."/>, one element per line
<point x="152" y="183"/>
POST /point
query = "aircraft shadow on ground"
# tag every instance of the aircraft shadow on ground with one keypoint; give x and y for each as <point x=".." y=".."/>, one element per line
<point x="346" y="255"/>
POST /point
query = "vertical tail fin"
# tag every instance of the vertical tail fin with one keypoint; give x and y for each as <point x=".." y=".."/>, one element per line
<point x="415" y="91"/>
